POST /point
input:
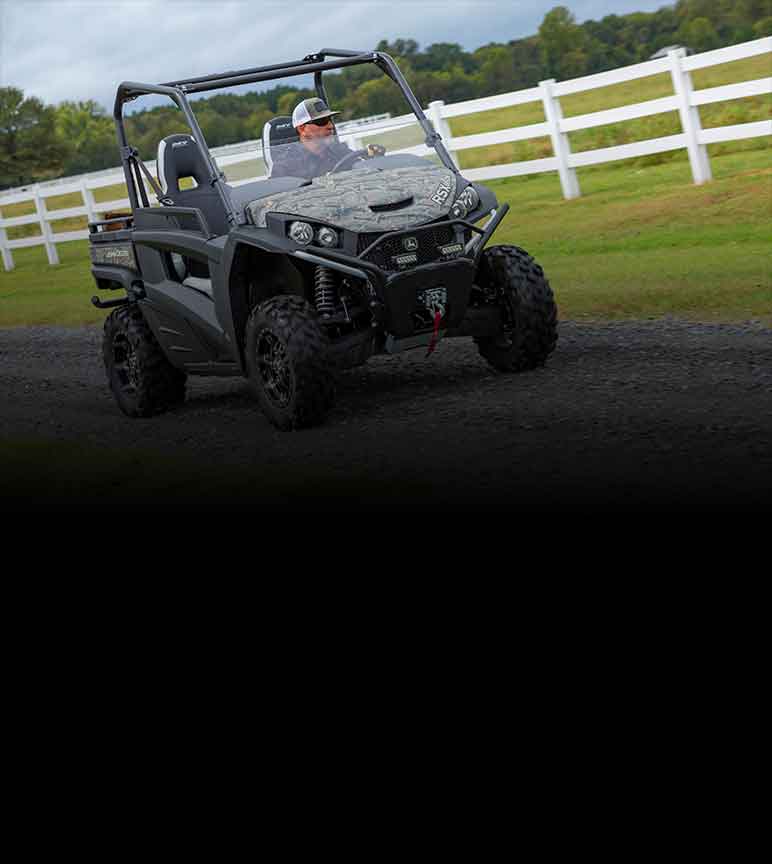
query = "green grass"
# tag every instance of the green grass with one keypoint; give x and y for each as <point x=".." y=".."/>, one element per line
<point x="36" y="293"/>
<point x="642" y="239"/>
<point x="647" y="242"/>
<point x="744" y="110"/>
<point x="720" y="114"/>
<point x="641" y="242"/>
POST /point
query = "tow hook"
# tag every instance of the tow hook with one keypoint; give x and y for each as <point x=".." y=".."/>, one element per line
<point x="435" y="300"/>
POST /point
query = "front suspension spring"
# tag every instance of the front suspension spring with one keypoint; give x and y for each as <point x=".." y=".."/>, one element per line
<point x="325" y="290"/>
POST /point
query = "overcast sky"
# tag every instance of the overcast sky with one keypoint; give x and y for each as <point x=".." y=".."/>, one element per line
<point x="82" y="49"/>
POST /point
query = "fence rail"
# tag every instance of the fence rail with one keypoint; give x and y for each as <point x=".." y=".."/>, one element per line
<point x="685" y="100"/>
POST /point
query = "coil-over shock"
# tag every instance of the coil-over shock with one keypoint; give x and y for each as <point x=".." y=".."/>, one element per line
<point x="325" y="290"/>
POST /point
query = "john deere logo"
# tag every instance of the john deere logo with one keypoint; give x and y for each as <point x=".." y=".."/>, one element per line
<point x="410" y="244"/>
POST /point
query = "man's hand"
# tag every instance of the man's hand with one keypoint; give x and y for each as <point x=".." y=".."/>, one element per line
<point x="374" y="150"/>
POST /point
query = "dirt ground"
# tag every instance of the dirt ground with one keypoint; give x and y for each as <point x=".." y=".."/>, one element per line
<point x="661" y="415"/>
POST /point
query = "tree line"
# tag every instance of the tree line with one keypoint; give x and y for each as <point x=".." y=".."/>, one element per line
<point x="39" y="142"/>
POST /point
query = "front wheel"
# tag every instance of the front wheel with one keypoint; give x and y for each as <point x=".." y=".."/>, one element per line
<point x="287" y="358"/>
<point x="529" y="332"/>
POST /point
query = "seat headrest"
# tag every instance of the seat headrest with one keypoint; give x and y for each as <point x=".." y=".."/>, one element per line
<point x="275" y="133"/>
<point x="178" y="157"/>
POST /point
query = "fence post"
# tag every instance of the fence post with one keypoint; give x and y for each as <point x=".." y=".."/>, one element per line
<point x="88" y="200"/>
<point x="553" y="114"/>
<point x="7" y="257"/>
<point x="442" y="127"/>
<point x="45" y="228"/>
<point x="690" y="117"/>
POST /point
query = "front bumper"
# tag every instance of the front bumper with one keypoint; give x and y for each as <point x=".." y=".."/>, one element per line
<point x="395" y="295"/>
<point x="406" y="314"/>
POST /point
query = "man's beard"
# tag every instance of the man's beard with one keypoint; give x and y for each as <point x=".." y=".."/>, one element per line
<point x="321" y="144"/>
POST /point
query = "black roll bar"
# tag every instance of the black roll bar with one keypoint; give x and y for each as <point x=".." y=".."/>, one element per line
<point x="183" y="82"/>
<point x="178" y="91"/>
<point x="276" y="68"/>
<point x="129" y="90"/>
<point x="284" y="70"/>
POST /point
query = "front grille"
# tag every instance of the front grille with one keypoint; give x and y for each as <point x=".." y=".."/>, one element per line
<point x="429" y="240"/>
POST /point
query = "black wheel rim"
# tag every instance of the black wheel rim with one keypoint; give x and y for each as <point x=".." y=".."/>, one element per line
<point x="125" y="364"/>
<point x="273" y="368"/>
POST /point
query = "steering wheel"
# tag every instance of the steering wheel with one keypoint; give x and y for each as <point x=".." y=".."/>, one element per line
<point x="349" y="157"/>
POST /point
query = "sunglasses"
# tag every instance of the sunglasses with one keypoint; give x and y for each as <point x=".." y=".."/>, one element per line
<point x="324" y="121"/>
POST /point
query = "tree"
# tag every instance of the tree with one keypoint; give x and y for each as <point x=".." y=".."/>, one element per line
<point x="33" y="147"/>
<point x="399" y="47"/>
<point x="687" y="10"/>
<point x="29" y="148"/>
<point x="256" y="121"/>
<point x="146" y="129"/>
<point x="763" y="27"/>
<point x="288" y="101"/>
<point x="564" y="44"/>
<point x="496" y="69"/>
<point x="699" y="35"/>
<point x="220" y="129"/>
<point x="441" y="57"/>
<point x="375" y="97"/>
<point x="527" y="63"/>
<point x="87" y="135"/>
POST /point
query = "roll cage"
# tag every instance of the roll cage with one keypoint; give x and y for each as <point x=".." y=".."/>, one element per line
<point x="178" y="92"/>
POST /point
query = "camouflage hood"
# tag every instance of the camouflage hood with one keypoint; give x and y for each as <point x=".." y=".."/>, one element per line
<point x="366" y="200"/>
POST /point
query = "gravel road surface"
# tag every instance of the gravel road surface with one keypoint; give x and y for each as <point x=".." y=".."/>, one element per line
<point x="658" y="415"/>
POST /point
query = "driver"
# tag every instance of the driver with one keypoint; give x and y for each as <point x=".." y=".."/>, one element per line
<point x="321" y="150"/>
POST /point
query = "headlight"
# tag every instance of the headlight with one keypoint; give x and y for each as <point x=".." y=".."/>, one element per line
<point x="327" y="237"/>
<point x="471" y="198"/>
<point x="458" y="210"/>
<point x="467" y="201"/>
<point x="301" y="232"/>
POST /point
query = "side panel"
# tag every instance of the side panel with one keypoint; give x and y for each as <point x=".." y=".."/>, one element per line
<point x="179" y="341"/>
<point x="234" y="288"/>
<point x="150" y="264"/>
<point x="182" y="318"/>
<point x="184" y="323"/>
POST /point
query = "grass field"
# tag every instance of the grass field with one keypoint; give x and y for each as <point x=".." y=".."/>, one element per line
<point x="718" y="114"/>
<point x="726" y="113"/>
<point x="641" y="242"/>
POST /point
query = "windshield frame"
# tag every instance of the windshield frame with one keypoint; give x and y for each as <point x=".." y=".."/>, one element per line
<point x="316" y="63"/>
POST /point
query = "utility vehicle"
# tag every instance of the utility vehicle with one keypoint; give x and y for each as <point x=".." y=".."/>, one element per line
<point x="288" y="279"/>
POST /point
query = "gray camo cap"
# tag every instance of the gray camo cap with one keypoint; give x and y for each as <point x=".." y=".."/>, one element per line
<point x="311" y="109"/>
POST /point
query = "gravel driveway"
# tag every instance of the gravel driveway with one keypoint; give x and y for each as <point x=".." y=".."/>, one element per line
<point x="646" y="415"/>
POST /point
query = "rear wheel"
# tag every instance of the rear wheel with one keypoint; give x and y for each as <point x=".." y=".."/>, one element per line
<point x="143" y="381"/>
<point x="529" y="332"/>
<point x="287" y="358"/>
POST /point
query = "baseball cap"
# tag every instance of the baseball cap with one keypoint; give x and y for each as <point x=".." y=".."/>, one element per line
<point x="310" y="109"/>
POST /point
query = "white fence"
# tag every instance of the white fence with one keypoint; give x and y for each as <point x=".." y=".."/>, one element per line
<point x="685" y="100"/>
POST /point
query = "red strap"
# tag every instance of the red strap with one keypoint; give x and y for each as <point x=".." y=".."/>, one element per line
<point x="435" y="332"/>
